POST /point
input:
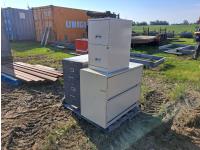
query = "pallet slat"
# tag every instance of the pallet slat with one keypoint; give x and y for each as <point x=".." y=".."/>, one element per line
<point x="34" y="78"/>
<point x="36" y="70"/>
<point x="28" y="72"/>
<point x="36" y="74"/>
<point x="44" y="68"/>
<point x="23" y="74"/>
<point x="13" y="74"/>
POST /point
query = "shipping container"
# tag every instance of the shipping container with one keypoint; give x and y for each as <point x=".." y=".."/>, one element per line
<point x="19" y="24"/>
<point x="66" y="24"/>
<point x="5" y="45"/>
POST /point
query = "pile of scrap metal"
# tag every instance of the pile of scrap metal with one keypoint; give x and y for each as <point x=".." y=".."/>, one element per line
<point x="178" y="49"/>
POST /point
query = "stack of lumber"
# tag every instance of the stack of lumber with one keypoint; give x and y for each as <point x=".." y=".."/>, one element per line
<point x="30" y="73"/>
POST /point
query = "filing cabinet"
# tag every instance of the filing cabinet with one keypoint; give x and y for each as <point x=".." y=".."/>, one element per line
<point x="109" y="41"/>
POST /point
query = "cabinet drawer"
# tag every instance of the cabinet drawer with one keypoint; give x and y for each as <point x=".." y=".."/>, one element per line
<point x="98" y="32"/>
<point x="98" y="55"/>
<point x="123" y="81"/>
<point x="121" y="103"/>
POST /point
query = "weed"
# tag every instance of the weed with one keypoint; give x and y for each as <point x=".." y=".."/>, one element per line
<point x="178" y="93"/>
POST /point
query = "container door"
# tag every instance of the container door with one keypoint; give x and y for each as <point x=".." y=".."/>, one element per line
<point x="98" y="32"/>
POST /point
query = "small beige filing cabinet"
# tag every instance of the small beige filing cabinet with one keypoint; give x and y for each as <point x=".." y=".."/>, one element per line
<point x="109" y="41"/>
<point x="104" y="99"/>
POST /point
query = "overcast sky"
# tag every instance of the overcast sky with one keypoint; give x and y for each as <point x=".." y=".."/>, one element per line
<point x="174" y="11"/>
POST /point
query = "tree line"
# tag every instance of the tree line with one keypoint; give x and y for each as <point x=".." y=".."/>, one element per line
<point x="159" y="22"/>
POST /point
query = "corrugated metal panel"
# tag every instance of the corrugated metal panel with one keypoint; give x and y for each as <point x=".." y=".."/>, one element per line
<point x="19" y="24"/>
<point x="5" y="45"/>
<point x="6" y="55"/>
<point x="43" y="18"/>
<point x="70" y="24"/>
<point x="67" y="23"/>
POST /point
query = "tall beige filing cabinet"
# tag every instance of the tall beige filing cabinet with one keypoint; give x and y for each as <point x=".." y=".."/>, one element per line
<point x="109" y="41"/>
<point x="105" y="98"/>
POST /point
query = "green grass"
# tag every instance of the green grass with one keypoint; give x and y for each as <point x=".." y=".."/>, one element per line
<point x="25" y="49"/>
<point x="179" y="68"/>
<point x="33" y="53"/>
<point x="176" y="28"/>
<point x="178" y="92"/>
<point x="175" y="67"/>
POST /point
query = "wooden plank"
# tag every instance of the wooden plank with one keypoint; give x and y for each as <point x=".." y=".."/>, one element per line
<point x="26" y="75"/>
<point x="44" y="67"/>
<point x="34" y="78"/>
<point x="36" y="74"/>
<point x="40" y="68"/>
<point x="36" y="70"/>
<point x="11" y="73"/>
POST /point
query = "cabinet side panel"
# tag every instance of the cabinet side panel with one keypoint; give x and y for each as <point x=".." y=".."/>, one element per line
<point x="120" y="41"/>
<point x="93" y="94"/>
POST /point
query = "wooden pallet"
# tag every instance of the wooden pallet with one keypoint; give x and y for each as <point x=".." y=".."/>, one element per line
<point x="31" y="73"/>
<point x="128" y="116"/>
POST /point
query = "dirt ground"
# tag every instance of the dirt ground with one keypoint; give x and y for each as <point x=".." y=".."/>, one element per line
<point x="30" y="113"/>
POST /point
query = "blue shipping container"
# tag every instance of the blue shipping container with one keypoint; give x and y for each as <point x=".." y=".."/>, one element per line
<point x="19" y="24"/>
<point x="5" y="45"/>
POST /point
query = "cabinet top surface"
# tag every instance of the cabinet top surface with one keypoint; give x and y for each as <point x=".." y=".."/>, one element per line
<point x="103" y="19"/>
<point x="131" y="66"/>
<point x="82" y="58"/>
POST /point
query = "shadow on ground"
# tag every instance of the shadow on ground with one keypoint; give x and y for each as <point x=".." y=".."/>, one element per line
<point x="124" y="136"/>
<point x="144" y="132"/>
<point x="166" y="67"/>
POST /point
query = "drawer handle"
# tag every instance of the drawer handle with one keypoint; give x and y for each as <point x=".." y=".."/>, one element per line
<point x="98" y="36"/>
<point x="98" y="59"/>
